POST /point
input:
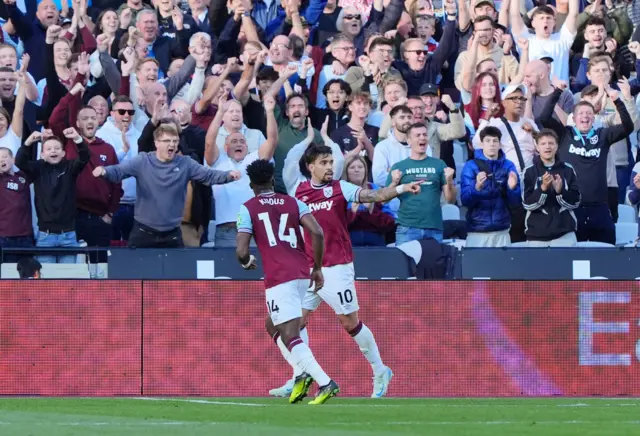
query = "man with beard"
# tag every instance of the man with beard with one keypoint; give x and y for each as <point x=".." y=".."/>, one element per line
<point x="233" y="122"/>
<point x="395" y="147"/>
<point x="465" y="25"/>
<point x="484" y="46"/>
<point x="236" y="156"/>
<point x="162" y="178"/>
<point x="416" y="67"/>
<point x="120" y="132"/>
<point x="336" y="92"/>
<point x="544" y="42"/>
<point x="97" y="200"/>
<point x="8" y="85"/>
<point x="32" y="33"/>
<point x="586" y="148"/>
<point x="538" y="82"/>
<point x="291" y="131"/>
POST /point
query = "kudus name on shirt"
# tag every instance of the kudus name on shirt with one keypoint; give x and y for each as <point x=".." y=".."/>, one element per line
<point x="325" y="205"/>
<point x="271" y="201"/>
<point x="581" y="151"/>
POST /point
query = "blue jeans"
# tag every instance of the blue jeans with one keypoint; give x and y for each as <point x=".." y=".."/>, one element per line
<point x="15" y="242"/>
<point x="49" y="240"/>
<point x="408" y="234"/>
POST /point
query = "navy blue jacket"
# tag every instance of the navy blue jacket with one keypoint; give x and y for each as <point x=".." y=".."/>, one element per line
<point x="488" y="209"/>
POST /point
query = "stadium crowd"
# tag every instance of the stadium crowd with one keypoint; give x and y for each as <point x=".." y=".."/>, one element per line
<point x="134" y="123"/>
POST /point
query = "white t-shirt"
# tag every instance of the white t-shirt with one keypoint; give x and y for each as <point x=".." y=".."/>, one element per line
<point x="11" y="141"/>
<point x="230" y="196"/>
<point x="557" y="46"/>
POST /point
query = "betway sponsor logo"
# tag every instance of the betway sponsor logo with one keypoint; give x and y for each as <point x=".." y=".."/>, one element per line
<point x="325" y="205"/>
<point x="581" y="151"/>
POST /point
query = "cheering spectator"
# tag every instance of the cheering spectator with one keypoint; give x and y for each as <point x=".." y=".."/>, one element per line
<point x="344" y="55"/>
<point x="485" y="101"/>
<point x="120" y="132"/>
<point x="551" y="193"/>
<point x="162" y="178"/>
<point x="357" y="136"/>
<point x="538" y="83"/>
<point x="236" y="157"/>
<point x="370" y="222"/>
<point x="489" y="185"/>
<point x="15" y="213"/>
<point x="374" y="69"/>
<point x="544" y="42"/>
<point x="233" y="122"/>
<point x="586" y="149"/>
<point x="420" y="216"/>
<point x="54" y="179"/>
<point x="395" y="148"/>
<point x="97" y="200"/>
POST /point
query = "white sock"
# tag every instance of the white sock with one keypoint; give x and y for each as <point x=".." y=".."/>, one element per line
<point x="367" y="343"/>
<point x="302" y="355"/>
<point x="287" y="356"/>
<point x="304" y="335"/>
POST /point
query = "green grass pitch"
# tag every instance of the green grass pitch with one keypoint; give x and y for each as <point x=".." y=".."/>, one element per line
<point x="274" y="417"/>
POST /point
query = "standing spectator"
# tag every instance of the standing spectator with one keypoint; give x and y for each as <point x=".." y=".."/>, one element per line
<point x="538" y="83"/>
<point x="485" y="101"/>
<point x="357" y="136"/>
<point x="489" y="185"/>
<point x="15" y="213"/>
<point x="344" y="55"/>
<point x="544" y="42"/>
<point x="97" y="200"/>
<point x="551" y="194"/>
<point x="395" y="148"/>
<point x="236" y="157"/>
<point x="162" y="178"/>
<point x="233" y="122"/>
<point x="336" y="92"/>
<point x="54" y="179"/>
<point x="420" y="216"/>
<point x="586" y="148"/>
<point x="370" y="223"/>
<point x="120" y="132"/>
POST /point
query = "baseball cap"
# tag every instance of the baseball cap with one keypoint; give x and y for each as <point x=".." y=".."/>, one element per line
<point x="429" y="88"/>
<point x="510" y="89"/>
<point x="546" y="58"/>
<point x="482" y="2"/>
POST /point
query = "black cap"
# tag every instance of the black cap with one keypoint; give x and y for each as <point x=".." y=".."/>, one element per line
<point x="429" y="88"/>
<point x="547" y="59"/>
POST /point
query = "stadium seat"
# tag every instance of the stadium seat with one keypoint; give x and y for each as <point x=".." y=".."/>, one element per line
<point x="627" y="214"/>
<point x="626" y="233"/>
<point x="450" y="212"/>
<point x="594" y="244"/>
<point x="9" y="271"/>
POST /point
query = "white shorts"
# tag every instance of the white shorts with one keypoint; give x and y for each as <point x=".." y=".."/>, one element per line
<point x="284" y="301"/>
<point x="339" y="291"/>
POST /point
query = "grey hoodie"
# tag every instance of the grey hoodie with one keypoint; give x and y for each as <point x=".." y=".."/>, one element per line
<point x="162" y="186"/>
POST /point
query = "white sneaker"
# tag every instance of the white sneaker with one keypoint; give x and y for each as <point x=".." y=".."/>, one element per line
<point x="282" y="391"/>
<point x="381" y="383"/>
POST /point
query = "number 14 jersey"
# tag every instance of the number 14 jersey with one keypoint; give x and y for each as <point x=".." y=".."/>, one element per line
<point x="274" y="221"/>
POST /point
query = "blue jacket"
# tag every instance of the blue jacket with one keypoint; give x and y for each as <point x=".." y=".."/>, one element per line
<point x="488" y="209"/>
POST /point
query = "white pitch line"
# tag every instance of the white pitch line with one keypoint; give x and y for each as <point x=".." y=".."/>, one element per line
<point x="220" y="403"/>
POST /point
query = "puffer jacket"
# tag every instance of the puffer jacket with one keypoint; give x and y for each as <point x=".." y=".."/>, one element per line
<point x="488" y="209"/>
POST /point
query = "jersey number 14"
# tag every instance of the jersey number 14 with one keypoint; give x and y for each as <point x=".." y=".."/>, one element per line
<point x="284" y="234"/>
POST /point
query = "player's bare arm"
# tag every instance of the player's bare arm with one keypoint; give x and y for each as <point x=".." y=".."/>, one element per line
<point x="310" y="224"/>
<point x="246" y="259"/>
<point x="389" y="193"/>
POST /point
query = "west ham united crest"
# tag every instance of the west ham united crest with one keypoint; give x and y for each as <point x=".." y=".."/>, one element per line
<point x="328" y="191"/>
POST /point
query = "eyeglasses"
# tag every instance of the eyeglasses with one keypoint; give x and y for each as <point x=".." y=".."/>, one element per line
<point x="418" y="52"/>
<point x="385" y="50"/>
<point x="280" y="46"/>
<point x="520" y="99"/>
<point x="348" y="49"/>
<point x="169" y="141"/>
<point x="130" y="112"/>
<point x="352" y="17"/>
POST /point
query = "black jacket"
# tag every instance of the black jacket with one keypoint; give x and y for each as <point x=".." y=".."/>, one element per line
<point x="55" y="188"/>
<point x="587" y="152"/>
<point x="549" y="215"/>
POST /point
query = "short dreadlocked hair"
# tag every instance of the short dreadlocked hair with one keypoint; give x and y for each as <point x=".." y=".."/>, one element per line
<point x="260" y="172"/>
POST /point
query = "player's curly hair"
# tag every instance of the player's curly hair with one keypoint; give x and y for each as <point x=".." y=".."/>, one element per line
<point x="310" y="155"/>
<point x="260" y="172"/>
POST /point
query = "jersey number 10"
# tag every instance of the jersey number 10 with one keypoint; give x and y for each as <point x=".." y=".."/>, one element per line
<point x="284" y="235"/>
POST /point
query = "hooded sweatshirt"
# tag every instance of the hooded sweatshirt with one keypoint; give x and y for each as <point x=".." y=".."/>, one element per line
<point x="111" y="134"/>
<point x="96" y="195"/>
